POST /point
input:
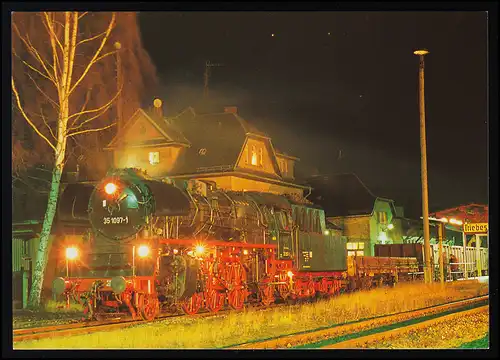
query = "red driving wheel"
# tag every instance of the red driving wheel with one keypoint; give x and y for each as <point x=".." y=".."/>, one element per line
<point x="192" y="305"/>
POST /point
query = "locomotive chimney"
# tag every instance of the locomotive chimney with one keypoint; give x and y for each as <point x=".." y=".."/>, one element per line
<point x="231" y="109"/>
<point x="157" y="103"/>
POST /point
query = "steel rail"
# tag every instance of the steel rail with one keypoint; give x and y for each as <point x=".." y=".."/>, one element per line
<point x="81" y="328"/>
<point x="337" y="330"/>
<point x="395" y="333"/>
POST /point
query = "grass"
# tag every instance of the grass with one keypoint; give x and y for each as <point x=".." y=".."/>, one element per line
<point x="253" y="325"/>
<point x="462" y="332"/>
<point x="482" y="343"/>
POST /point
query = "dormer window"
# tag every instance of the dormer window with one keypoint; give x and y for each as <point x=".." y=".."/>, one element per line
<point x="154" y="157"/>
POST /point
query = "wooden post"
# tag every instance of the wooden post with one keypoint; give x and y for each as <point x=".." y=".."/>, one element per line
<point x="478" y="255"/>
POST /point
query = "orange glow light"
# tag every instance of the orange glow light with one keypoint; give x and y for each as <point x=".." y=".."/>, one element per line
<point x="110" y="188"/>
<point x="143" y="251"/>
<point x="71" y="253"/>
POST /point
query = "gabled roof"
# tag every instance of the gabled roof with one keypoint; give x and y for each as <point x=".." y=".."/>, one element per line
<point x="216" y="143"/>
<point x="170" y="132"/>
<point x="342" y="195"/>
<point x="216" y="140"/>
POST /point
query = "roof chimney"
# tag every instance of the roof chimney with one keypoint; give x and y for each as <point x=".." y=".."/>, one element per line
<point x="157" y="103"/>
<point x="231" y="109"/>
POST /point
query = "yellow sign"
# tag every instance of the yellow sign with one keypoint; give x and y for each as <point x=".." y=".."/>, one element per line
<point x="476" y="228"/>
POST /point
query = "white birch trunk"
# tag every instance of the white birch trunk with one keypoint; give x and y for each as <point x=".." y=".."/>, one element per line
<point x="62" y="79"/>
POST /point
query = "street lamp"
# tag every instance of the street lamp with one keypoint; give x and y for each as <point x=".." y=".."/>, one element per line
<point x="423" y="157"/>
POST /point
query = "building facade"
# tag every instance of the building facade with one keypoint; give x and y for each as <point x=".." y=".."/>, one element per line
<point x="364" y="219"/>
<point x="220" y="149"/>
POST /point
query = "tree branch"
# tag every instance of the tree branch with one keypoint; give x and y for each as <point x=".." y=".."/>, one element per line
<point x="51" y="30"/>
<point x="87" y="98"/>
<point x="53" y="37"/>
<point x="72" y="50"/>
<point x="90" y="39"/>
<point x="89" y="120"/>
<point x="34" y="69"/>
<point x="46" y="124"/>
<point x="96" y="55"/>
<point x="34" y="53"/>
<point x="55" y="105"/>
<point x="97" y="109"/>
<point x="27" y="118"/>
<point x="91" y="130"/>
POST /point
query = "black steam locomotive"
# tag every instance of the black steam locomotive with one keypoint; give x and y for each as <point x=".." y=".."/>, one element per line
<point x="157" y="246"/>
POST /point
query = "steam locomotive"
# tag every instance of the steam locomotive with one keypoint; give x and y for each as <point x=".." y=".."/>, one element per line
<point x="156" y="246"/>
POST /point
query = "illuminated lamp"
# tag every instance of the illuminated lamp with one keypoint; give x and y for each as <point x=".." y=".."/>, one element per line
<point x="326" y="232"/>
<point x="245" y="252"/>
<point x="110" y="188"/>
<point x="200" y="249"/>
<point x="143" y="251"/>
<point x="176" y="251"/>
<point x="290" y="274"/>
<point x="390" y="226"/>
<point x="71" y="253"/>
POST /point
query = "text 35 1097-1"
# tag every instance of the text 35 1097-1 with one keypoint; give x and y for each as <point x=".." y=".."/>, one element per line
<point x="115" y="220"/>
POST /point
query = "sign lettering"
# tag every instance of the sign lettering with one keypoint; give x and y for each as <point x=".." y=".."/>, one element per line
<point x="115" y="220"/>
<point x="475" y="228"/>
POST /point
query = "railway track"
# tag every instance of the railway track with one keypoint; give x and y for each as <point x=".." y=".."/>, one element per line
<point x="350" y="329"/>
<point x="82" y="328"/>
<point x="363" y="341"/>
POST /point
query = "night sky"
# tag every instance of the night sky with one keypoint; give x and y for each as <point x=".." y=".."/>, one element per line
<point x="331" y="81"/>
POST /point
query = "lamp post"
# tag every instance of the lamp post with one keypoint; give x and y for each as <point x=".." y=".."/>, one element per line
<point x="119" y="85"/>
<point x="423" y="157"/>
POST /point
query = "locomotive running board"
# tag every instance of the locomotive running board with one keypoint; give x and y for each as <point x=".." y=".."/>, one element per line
<point x="217" y="243"/>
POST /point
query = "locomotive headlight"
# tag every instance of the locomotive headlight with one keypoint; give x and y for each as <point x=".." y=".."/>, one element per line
<point x="71" y="253"/>
<point x="143" y="251"/>
<point x="200" y="249"/>
<point x="110" y="188"/>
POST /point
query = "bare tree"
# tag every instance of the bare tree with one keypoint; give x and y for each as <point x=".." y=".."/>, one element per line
<point x="56" y="77"/>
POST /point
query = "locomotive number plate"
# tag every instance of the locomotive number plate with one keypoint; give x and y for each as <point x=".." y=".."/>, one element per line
<point x="115" y="220"/>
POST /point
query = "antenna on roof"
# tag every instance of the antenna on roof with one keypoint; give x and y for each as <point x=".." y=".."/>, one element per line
<point x="206" y="76"/>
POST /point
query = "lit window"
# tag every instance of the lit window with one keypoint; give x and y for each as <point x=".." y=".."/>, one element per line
<point x="382" y="217"/>
<point x="246" y="155"/>
<point x="360" y="253"/>
<point x="261" y="156"/>
<point x="355" y="245"/>
<point x="285" y="166"/>
<point x="154" y="157"/>
<point x="254" y="156"/>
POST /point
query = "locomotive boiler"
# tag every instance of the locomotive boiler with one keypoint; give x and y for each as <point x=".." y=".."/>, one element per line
<point x="159" y="246"/>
